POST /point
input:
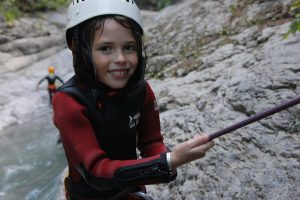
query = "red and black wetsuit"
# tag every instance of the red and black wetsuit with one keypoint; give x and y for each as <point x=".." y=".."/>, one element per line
<point x="100" y="140"/>
<point x="51" y="78"/>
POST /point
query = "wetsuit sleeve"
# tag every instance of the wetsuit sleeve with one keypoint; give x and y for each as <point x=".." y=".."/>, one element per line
<point x="41" y="80"/>
<point x="60" y="80"/>
<point x="84" y="153"/>
<point x="150" y="140"/>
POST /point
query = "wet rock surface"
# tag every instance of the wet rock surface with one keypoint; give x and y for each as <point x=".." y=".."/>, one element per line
<point x="213" y="64"/>
<point x="227" y="70"/>
<point x="26" y="51"/>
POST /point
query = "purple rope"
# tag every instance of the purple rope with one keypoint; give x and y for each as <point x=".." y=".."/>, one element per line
<point x="255" y="118"/>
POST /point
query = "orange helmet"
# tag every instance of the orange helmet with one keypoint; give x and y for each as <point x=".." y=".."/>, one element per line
<point x="51" y="69"/>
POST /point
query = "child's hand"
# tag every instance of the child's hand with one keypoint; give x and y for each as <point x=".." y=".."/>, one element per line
<point x="190" y="150"/>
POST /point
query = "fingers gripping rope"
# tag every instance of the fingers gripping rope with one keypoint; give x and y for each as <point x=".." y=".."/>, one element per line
<point x="255" y="118"/>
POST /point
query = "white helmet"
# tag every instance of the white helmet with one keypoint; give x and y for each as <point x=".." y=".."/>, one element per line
<point x="82" y="10"/>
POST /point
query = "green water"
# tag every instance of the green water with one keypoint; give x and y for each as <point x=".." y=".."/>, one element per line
<point x="31" y="161"/>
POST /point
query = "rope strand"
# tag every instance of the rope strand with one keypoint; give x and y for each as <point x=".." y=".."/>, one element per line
<point x="255" y="118"/>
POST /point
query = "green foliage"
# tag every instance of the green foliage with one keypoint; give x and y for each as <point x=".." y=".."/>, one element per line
<point x="13" y="9"/>
<point x="163" y="3"/>
<point x="9" y="10"/>
<point x="225" y="31"/>
<point x="46" y="4"/>
<point x="295" y="12"/>
<point x="233" y="9"/>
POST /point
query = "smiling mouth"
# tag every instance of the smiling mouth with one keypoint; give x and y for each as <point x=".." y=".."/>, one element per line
<point x="119" y="73"/>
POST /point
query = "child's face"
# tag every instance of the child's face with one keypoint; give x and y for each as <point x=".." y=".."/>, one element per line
<point x="114" y="54"/>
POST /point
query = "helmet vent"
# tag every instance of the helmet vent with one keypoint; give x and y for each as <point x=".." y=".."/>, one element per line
<point x="77" y="1"/>
<point x="129" y="1"/>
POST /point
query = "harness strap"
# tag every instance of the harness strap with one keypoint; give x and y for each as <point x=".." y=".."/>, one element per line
<point x="133" y="193"/>
<point x="142" y="195"/>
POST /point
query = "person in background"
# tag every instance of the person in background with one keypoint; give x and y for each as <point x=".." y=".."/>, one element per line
<point x="51" y="78"/>
<point x="107" y="110"/>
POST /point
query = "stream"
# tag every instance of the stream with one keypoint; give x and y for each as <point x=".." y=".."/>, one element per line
<point x="31" y="161"/>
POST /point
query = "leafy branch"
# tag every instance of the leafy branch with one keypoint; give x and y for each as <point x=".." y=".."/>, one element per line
<point x="295" y="26"/>
<point x="11" y="10"/>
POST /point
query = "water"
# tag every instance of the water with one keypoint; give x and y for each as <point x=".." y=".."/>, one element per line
<point x="31" y="161"/>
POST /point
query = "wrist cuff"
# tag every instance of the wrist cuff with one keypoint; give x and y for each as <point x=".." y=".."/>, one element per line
<point x="168" y="156"/>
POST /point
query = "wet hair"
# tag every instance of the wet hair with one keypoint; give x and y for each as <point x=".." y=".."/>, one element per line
<point x="80" y="40"/>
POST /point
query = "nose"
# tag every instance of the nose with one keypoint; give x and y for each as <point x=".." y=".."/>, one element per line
<point x="120" y="57"/>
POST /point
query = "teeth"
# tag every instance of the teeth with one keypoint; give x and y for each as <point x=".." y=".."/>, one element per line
<point x="118" y="73"/>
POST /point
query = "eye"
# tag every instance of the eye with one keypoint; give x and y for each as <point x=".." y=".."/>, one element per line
<point x="105" y="49"/>
<point x="130" y="48"/>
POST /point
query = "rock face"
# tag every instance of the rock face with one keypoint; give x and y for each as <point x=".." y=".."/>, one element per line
<point x="211" y="64"/>
<point x="29" y="36"/>
<point x="153" y="4"/>
<point x="216" y="63"/>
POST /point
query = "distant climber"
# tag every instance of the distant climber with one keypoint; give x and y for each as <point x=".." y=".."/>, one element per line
<point x="51" y="78"/>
